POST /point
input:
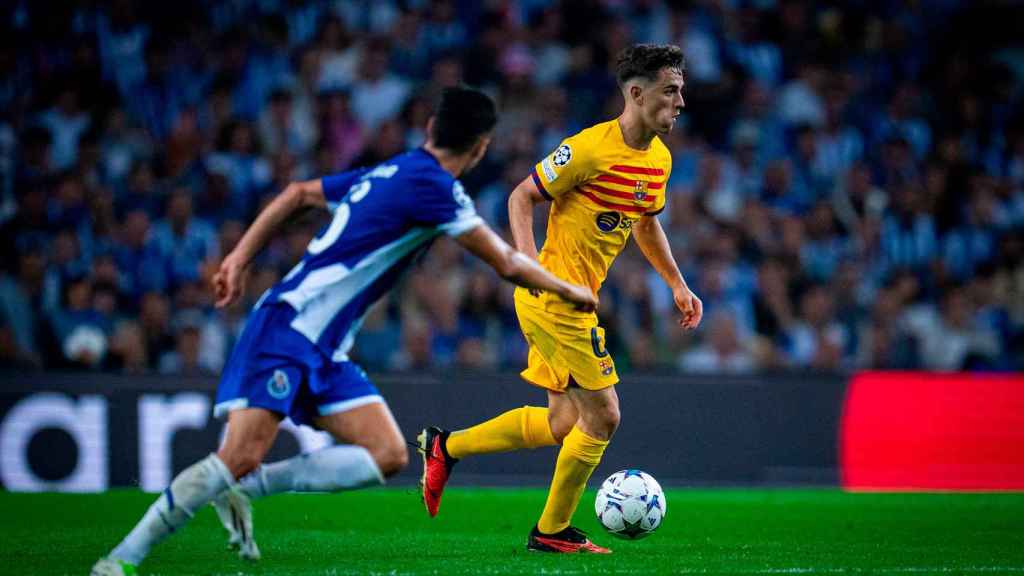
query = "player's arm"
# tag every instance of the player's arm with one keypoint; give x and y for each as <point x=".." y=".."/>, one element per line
<point x="229" y="279"/>
<point x="520" y="215"/>
<point x="563" y="170"/>
<point x="650" y="237"/>
<point x="519" y="269"/>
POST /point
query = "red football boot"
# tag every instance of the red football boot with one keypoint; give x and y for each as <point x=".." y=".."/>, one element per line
<point x="569" y="541"/>
<point x="437" y="466"/>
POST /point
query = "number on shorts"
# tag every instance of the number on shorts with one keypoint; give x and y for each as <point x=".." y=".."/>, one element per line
<point x="595" y="341"/>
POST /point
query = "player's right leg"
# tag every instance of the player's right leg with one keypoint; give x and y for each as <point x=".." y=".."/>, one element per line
<point x="250" y="434"/>
<point x="248" y="441"/>
<point x="526" y="427"/>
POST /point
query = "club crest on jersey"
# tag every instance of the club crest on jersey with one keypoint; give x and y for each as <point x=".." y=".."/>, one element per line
<point x="608" y="221"/>
<point x="606" y="367"/>
<point x="562" y="156"/>
<point x="640" y="192"/>
<point x="279" y="386"/>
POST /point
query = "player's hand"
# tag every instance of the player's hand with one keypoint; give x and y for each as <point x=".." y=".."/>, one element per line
<point x="229" y="281"/>
<point x="691" y="307"/>
<point x="582" y="297"/>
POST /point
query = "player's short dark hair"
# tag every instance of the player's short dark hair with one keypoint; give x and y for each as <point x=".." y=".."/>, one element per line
<point x="462" y="116"/>
<point x="646" y="60"/>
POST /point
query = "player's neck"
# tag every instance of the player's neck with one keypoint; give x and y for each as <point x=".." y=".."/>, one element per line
<point x="634" y="133"/>
<point x="454" y="164"/>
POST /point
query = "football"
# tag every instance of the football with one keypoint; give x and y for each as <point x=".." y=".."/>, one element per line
<point x="630" y="504"/>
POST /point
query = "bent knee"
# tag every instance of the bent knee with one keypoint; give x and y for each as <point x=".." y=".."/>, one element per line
<point x="611" y="417"/>
<point x="240" y="462"/>
<point x="603" y="422"/>
<point x="391" y="459"/>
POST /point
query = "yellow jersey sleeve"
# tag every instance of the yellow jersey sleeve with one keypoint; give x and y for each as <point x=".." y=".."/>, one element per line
<point x="570" y="165"/>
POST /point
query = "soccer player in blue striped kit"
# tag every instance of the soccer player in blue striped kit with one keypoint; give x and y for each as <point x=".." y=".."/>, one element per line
<point x="292" y="358"/>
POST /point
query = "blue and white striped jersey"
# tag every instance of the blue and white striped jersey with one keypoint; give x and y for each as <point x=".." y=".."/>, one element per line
<point x="382" y="220"/>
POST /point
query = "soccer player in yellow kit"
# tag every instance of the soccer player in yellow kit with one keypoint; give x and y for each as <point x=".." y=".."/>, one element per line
<point x="604" y="183"/>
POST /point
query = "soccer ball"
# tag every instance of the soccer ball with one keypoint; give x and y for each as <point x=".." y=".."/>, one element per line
<point x="630" y="504"/>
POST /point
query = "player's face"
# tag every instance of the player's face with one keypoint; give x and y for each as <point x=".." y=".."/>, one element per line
<point x="663" y="101"/>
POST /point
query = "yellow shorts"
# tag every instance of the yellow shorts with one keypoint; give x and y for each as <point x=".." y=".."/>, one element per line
<point x="562" y="346"/>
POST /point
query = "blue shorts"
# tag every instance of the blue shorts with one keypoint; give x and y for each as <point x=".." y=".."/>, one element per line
<point x="275" y="367"/>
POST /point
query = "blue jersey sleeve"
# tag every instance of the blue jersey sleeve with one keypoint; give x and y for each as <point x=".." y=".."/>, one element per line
<point x="336" y="186"/>
<point x="447" y="207"/>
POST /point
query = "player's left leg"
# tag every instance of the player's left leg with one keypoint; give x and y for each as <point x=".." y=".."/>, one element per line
<point x="250" y="434"/>
<point x="581" y="452"/>
<point x="338" y="398"/>
<point x="370" y="429"/>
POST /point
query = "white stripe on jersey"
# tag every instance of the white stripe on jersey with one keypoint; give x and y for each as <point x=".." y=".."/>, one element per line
<point x="323" y="293"/>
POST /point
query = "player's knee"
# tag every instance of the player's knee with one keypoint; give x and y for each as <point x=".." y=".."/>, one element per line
<point x="604" y="421"/>
<point x="611" y="418"/>
<point x="240" y="462"/>
<point x="391" y="459"/>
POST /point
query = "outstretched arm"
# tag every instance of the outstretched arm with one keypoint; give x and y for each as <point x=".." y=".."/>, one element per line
<point x="229" y="279"/>
<point x="519" y="269"/>
<point x="652" y="242"/>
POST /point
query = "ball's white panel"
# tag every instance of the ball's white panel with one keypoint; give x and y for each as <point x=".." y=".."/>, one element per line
<point x="611" y="519"/>
<point x="633" y="510"/>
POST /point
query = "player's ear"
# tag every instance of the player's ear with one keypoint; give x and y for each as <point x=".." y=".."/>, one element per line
<point x="430" y="128"/>
<point x="636" y="93"/>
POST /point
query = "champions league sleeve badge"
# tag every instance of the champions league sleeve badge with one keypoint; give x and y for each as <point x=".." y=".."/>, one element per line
<point x="562" y="156"/>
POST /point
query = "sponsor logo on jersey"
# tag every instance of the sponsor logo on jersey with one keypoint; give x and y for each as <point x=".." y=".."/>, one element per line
<point x="562" y="156"/>
<point x="278" y="386"/>
<point x="608" y="221"/>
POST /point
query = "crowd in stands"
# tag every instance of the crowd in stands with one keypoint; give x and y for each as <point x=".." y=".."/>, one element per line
<point x="847" y="188"/>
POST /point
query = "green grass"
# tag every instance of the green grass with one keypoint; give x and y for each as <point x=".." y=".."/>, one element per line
<point x="483" y="532"/>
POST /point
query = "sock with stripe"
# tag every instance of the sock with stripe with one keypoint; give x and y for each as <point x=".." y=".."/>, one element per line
<point x="188" y="492"/>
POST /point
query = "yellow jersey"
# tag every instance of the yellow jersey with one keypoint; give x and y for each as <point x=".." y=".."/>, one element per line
<point x="598" y="187"/>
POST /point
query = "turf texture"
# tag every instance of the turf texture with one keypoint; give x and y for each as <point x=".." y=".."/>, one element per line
<point x="483" y="531"/>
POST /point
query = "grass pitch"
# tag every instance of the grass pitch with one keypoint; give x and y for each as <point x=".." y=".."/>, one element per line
<point x="483" y="531"/>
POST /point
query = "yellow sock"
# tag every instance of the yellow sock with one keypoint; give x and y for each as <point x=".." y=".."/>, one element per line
<point x="525" y="427"/>
<point x="577" y="459"/>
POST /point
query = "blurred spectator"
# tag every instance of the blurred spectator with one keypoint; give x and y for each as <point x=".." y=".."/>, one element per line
<point x="80" y="330"/>
<point x="66" y="122"/>
<point x="139" y="257"/>
<point x="19" y="310"/>
<point x="949" y="339"/>
<point x="237" y="159"/>
<point x="185" y="359"/>
<point x="722" y="352"/>
<point x="184" y="241"/>
<point x="377" y="94"/>
<point x="281" y="130"/>
<point x="817" y="340"/>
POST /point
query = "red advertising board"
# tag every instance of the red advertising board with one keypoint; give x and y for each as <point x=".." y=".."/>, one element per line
<point x="933" y="431"/>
